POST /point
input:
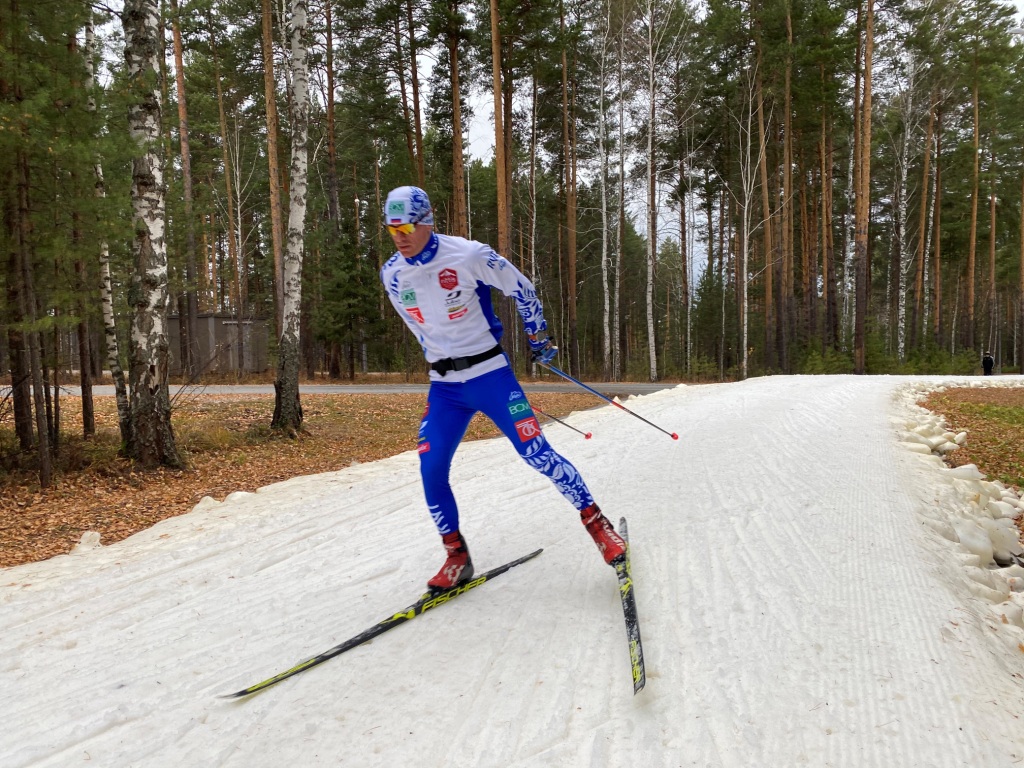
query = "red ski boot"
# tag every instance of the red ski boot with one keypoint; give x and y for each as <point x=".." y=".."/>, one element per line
<point x="608" y="541"/>
<point x="458" y="568"/>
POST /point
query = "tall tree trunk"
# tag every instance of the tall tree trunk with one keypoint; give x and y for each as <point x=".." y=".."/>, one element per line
<point x="937" y="236"/>
<point x="404" y="93"/>
<point x="191" y="361"/>
<point x="17" y="342"/>
<point x="276" y="223"/>
<point x="151" y="439"/>
<point x="830" y="338"/>
<point x="234" y="226"/>
<point x="863" y="202"/>
<point x="620" y="228"/>
<point x="83" y="337"/>
<point x="786" y="288"/>
<point x="602" y="151"/>
<point x="653" y="79"/>
<point x="972" y="237"/>
<point x="459" y="225"/>
<point x="991" y="298"/>
<point x="1020" y="294"/>
<point x="499" y="132"/>
<point x="415" y="78"/>
<point x="766" y="213"/>
<point x="287" y="408"/>
<point x="111" y="343"/>
<point x="34" y="337"/>
<point x="919" y="261"/>
<point x="568" y="152"/>
<point x="333" y="198"/>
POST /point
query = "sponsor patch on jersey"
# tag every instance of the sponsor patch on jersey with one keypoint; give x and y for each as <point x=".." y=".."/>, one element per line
<point x="519" y="407"/>
<point x="455" y="305"/>
<point x="528" y="429"/>
<point x="515" y="395"/>
<point x="423" y="448"/>
<point x="448" y="278"/>
<point x="408" y="297"/>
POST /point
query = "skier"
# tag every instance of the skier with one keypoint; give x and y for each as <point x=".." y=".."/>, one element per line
<point x="987" y="363"/>
<point x="441" y="287"/>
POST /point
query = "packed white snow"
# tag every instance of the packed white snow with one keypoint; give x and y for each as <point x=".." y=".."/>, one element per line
<point x="815" y="588"/>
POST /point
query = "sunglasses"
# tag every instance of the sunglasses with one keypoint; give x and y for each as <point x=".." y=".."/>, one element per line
<point x="405" y="229"/>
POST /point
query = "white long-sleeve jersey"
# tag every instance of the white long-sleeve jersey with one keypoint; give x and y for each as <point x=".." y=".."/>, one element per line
<point x="443" y="295"/>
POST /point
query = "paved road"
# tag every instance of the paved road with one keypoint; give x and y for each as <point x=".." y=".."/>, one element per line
<point x="611" y="389"/>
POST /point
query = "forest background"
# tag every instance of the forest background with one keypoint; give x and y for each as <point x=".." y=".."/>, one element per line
<point x="699" y="191"/>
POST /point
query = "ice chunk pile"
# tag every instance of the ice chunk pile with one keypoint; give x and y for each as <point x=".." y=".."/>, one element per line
<point x="979" y="515"/>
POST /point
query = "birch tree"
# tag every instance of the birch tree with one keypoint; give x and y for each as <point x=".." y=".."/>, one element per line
<point x="660" y="38"/>
<point x="103" y="249"/>
<point x="151" y="439"/>
<point x="287" y="408"/>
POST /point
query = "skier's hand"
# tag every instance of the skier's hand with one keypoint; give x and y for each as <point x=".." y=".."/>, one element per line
<point x="543" y="350"/>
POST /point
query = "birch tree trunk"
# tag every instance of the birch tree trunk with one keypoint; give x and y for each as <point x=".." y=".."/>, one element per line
<point x="276" y="225"/>
<point x="602" y="150"/>
<point x="287" y="408"/>
<point x="568" y="151"/>
<point x="151" y="439"/>
<point x="106" y="290"/>
<point x="919" y="258"/>
<point x="620" y="228"/>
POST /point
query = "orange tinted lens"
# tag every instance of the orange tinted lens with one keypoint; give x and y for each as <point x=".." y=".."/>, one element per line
<point x="407" y="229"/>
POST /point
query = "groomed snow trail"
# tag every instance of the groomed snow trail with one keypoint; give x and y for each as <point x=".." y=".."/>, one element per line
<point x="796" y="609"/>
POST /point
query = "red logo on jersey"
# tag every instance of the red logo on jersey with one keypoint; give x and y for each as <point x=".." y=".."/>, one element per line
<point x="528" y="429"/>
<point x="448" y="278"/>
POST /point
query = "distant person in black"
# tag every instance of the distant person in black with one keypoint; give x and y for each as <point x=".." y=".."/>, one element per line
<point x="987" y="363"/>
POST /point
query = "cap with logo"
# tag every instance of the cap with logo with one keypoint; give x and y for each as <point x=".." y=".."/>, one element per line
<point x="408" y="205"/>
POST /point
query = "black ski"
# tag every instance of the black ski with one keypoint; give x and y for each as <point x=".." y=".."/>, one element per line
<point x="424" y="604"/>
<point x="628" y="595"/>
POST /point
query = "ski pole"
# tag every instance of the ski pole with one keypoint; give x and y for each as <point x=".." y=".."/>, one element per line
<point x="587" y="435"/>
<point x="566" y="376"/>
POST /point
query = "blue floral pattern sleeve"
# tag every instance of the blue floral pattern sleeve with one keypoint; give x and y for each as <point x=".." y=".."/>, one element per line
<point x="500" y="273"/>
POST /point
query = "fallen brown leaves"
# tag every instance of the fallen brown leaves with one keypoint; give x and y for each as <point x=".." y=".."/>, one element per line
<point x="994" y="420"/>
<point x="229" y="447"/>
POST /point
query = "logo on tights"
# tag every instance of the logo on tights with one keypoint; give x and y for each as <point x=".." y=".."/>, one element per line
<point x="527" y="429"/>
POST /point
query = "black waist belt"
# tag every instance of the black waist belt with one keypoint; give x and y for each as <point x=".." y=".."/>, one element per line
<point x="462" y="363"/>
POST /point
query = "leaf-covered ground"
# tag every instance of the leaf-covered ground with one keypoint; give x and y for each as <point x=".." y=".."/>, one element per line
<point x="229" y="447"/>
<point x="994" y="420"/>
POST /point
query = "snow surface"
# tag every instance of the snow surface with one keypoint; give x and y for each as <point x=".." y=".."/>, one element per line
<point x="815" y="588"/>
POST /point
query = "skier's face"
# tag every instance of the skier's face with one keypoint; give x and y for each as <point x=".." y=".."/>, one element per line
<point x="410" y="244"/>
